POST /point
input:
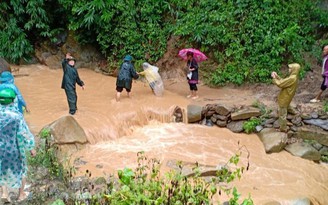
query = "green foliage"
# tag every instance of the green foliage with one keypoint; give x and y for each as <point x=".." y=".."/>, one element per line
<point x="58" y="202"/>
<point x="24" y="23"/>
<point x="46" y="158"/>
<point x="121" y="27"/>
<point x="324" y="158"/>
<point x="145" y="185"/>
<point x="250" y="125"/>
<point x="325" y="106"/>
<point x="248" y="39"/>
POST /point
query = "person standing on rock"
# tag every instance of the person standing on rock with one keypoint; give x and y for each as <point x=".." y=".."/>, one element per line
<point x="324" y="74"/>
<point x="70" y="78"/>
<point x="288" y="89"/>
<point x="124" y="78"/>
<point x="15" y="139"/>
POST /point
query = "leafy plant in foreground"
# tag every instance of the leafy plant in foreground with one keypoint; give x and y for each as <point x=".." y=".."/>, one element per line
<point x="250" y="125"/>
<point x="145" y="184"/>
<point x="325" y="106"/>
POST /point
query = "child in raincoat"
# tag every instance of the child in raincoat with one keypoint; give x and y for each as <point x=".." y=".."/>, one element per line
<point x="153" y="78"/>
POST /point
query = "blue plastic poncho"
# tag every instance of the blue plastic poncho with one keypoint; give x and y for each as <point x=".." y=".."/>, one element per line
<point x="15" y="139"/>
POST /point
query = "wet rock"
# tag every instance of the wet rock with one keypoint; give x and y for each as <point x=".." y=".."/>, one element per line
<point x="210" y="113"/>
<point x="273" y="140"/>
<point x="301" y="201"/>
<point x="213" y="119"/>
<point x="245" y="113"/>
<point x="316" y="145"/>
<point x="221" y="117"/>
<point x="67" y="130"/>
<point x="324" y="150"/>
<point x="79" y="162"/>
<point x="324" y="117"/>
<point x="293" y="128"/>
<point x="276" y="124"/>
<point x="68" y="135"/>
<point x="303" y="150"/>
<point x="194" y="113"/>
<point x="305" y="116"/>
<point x="318" y="122"/>
<point x="178" y="114"/>
<point x="314" y="115"/>
<point x="297" y="121"/>
<point x="209" y="123"/>
<point x="312" y="133"/>
<point x="259" y="128"/>
<point x="268" y="125"/>
<point x="223" y="109"/>
<point x="269" y="121"/>
<point x="290" y="117"/>
<point x="236" y="126"/>
<point x="273" y="115"/>
<point x="221" y="123"/>
<point x="99" y="166"/>
<point x="203" y="122"/>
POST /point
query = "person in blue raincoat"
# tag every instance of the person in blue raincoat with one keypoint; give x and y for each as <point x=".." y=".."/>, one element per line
<point x="7" y="81"/>
<point x="124" y="78"/>
<point x="15" y="139"/>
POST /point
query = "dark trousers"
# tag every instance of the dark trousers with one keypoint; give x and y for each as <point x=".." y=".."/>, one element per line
<point x="193" y="86"/>
<point x="71" y="99"/>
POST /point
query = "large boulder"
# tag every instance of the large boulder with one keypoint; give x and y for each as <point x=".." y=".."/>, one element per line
<point x="68" y="135"/>
<point x="246" y="113"/>
<point x="4" y="66"/>
<point x="273" y="140"/>
<point x="303" y="150"/>
<point x="312" y="133"/>
<point x="194" y="113"/>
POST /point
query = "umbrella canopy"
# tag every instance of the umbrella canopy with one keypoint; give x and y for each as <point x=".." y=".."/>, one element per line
<point x="198" y="55"/>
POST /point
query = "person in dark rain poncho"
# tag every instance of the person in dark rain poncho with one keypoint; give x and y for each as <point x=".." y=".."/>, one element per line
<point x="124" y="78"/>
<point x="70" y="78"/>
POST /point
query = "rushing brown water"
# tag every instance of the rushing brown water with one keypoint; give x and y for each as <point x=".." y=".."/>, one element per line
<point x="117" y="131"/>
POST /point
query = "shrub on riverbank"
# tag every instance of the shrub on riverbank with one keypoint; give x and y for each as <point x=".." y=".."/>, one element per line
<point x="143" y="185"/>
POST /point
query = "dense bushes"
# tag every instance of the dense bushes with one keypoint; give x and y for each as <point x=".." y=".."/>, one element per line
<point x="247" y="39"/>
<point x="23" y="23"/>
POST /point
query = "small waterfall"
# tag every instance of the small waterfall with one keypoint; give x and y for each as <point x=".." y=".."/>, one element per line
<point x="123" y="124"/>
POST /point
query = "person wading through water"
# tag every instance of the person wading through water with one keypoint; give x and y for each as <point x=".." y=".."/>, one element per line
<point x="70" y="78"/>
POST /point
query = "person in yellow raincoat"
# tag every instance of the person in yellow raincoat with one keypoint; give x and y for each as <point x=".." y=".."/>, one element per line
<point x="288" y="89"/>
<point x="153" y="78"/>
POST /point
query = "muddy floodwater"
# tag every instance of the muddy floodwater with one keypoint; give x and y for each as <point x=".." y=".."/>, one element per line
<point x="117" y="131"/>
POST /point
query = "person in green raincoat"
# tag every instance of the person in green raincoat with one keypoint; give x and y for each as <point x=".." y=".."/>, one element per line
<point x="70" y="78"/>
<point x="15" y="139"/>
<point x="288" y="89"/>
<point x="124" y="78"/>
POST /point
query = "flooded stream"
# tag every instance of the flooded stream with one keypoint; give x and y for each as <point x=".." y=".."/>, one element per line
<point x="117" y="131"/>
